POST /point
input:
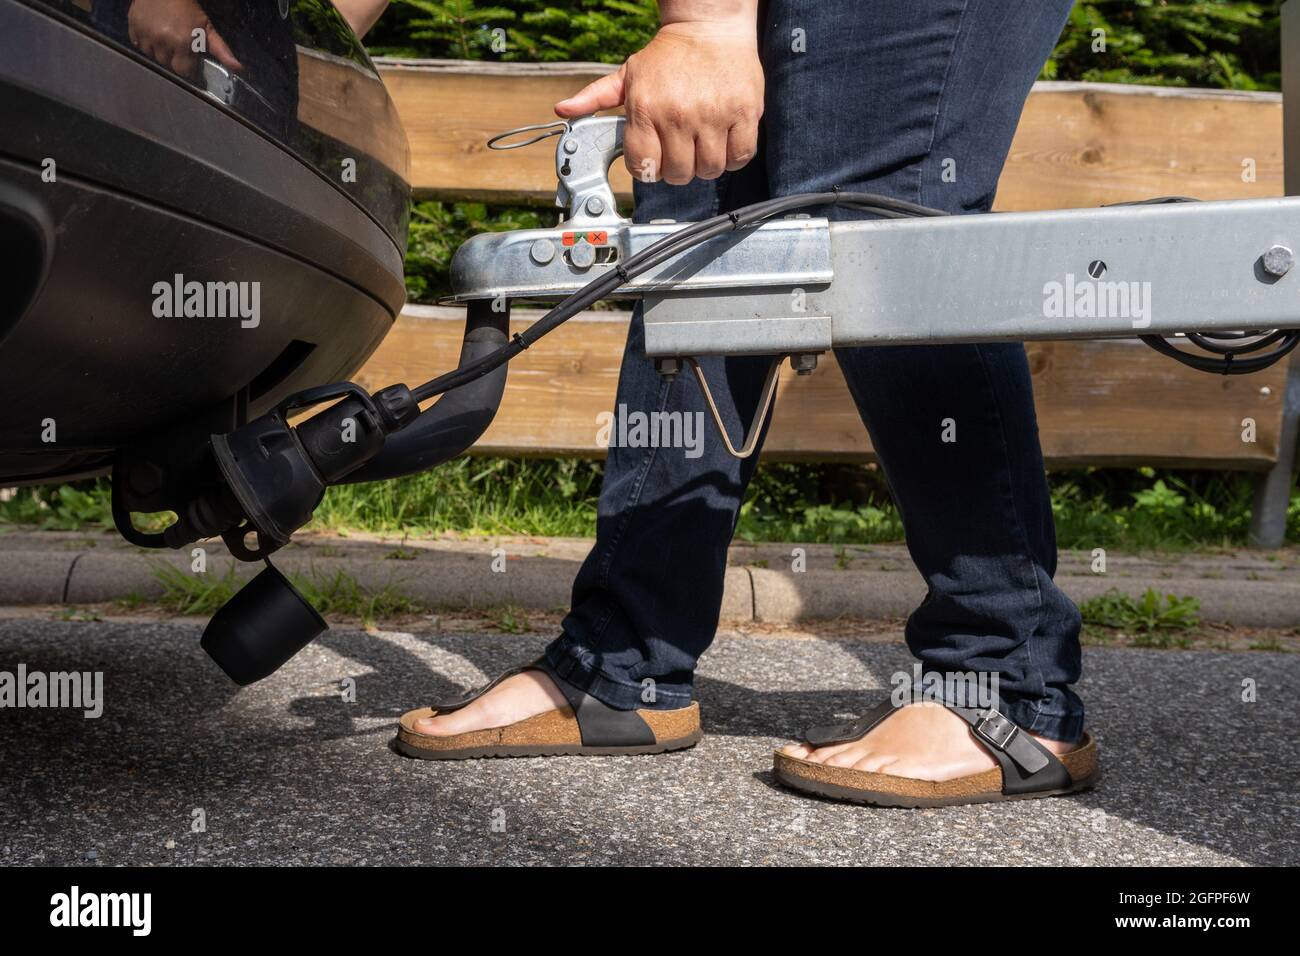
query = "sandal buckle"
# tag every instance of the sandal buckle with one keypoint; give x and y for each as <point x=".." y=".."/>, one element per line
<point x="1002" y="733"/>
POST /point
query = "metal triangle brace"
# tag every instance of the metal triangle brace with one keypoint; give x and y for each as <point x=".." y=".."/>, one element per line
<point x="764" y="406"/>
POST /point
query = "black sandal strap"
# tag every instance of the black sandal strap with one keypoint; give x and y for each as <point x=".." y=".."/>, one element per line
<point x="456" y="703"/>
<point x="827" y="735"/>
<point x="1027" y="766"/>
<point x="599" y="724"/>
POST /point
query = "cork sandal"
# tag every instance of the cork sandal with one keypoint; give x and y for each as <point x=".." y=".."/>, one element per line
<point x="1026" y="770"/>
<point x="586" y="726"/>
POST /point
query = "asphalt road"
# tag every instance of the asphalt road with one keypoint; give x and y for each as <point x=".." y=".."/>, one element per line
<point x="288" y="772"/>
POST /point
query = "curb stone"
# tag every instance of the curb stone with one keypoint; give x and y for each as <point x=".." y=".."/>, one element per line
<point x="878" y="583"/>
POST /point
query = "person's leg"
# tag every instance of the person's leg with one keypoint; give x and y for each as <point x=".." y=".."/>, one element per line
<point x="647" y="598"/>
<point x="925" y="100"/>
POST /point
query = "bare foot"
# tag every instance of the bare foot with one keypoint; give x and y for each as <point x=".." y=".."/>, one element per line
<point x="924" y="741"/>
<point x="514" y="699"/>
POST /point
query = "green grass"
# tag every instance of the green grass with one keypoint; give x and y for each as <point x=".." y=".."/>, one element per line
<point x="192" y="593"/>
<point x="81" y="507"/>
<point x="508" y="619"/>
<point x="1154" y="620"/>
<point x="475" y="496"/>
<point x="1120" y="509"/>
<point x="338" y="594"/>
<point x="1167" y="511"/>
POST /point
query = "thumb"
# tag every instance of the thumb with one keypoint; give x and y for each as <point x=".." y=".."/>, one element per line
<point x="604" y="94"/>
<point x="218" y="47"/>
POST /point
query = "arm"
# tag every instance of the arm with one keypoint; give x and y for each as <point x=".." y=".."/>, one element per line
<point x="360" y="14"/>
<point x="693" y="96"/>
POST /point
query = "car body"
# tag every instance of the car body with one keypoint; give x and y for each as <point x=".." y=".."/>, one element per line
<point x="185" y="245"/>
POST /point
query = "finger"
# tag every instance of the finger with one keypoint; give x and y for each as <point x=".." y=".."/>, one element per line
<point x="742" y="144"/>
<point x="218" y="47"/>
<point x="642" y="153"/>
<point x="604" y="94"/>
<point x="710" y="153"/>
<point x="184" y="63"/>
<point x="677" y="165"/>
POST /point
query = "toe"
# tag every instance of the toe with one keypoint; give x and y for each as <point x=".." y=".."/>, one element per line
<point x="796" y="750"/>
<point x="428" y="725"/>
<point x="844" y="758"/>
<point x="824" y="754"/>
<point x="876" y="763"/>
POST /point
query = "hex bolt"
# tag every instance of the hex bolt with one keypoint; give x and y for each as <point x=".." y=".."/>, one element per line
<point x="668" y="367"/>
<point x="1278" y="261"/>
<point x="595" y="206"/>
<point x="583" y="256"/>
<point x="570" y="146"/>
<point x="804" y="364"/>
<point x="542" y="251"/>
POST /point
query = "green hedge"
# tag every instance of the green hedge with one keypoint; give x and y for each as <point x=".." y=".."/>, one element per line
<point x="1215" y="43"/>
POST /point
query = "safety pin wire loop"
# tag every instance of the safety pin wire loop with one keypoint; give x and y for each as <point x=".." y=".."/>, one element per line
<point x="552" y="129"/>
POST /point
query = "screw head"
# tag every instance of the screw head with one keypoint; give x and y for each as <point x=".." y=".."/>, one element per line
<point x="1278" y="261"/>
<point x="1096" y="268"/>
<point x="542" y="251"/>
<point x="668" y="366"/>
<point x="583" y="256"/>
<point x="570" y="146"/>
<point x="595" y="206"/>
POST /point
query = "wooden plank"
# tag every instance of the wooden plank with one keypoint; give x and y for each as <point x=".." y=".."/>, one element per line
<point x="450" y="108"/>
<point x="1078" y="144"/>
<point x="1099" y="403"/>
<point x="1081" y="145"/>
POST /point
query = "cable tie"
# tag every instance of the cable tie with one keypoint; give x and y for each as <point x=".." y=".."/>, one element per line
<point x="622" y="273"/>
<point x="735" y="219"/>
<point x="518" y="339"/>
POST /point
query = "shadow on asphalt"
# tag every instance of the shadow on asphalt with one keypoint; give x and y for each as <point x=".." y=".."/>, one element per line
<point x="1182" y="752"/>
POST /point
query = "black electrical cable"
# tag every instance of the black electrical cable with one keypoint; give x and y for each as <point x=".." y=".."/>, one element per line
<point x="1213" y="341"/>
<point x="1229" y="363"/>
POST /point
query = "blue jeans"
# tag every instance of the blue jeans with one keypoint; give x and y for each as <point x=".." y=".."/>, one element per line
<point x="917" y="99"/>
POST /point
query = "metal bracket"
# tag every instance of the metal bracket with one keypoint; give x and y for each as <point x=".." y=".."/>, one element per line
<point x="760" y="414"/>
